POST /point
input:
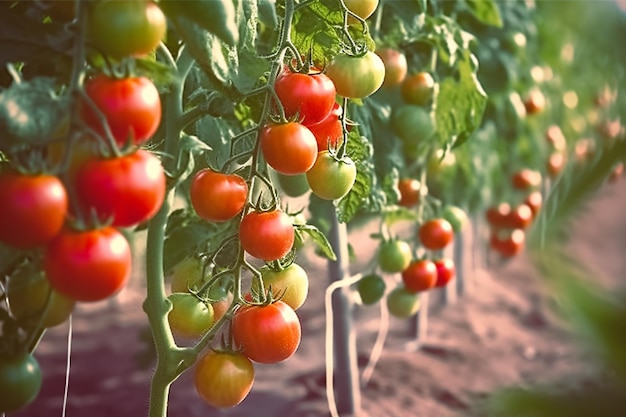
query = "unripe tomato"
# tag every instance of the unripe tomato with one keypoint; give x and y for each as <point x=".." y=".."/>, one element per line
<point x="189" y="317"/>
<point x="362" y="8"/>
<point x="395" y="66"/>
<point x="413" y="124"/>
<point x="223" y="379"/>
<point x="291" y="284"/>
<point x="403" y="303"/>
<point x="394" y="256"/>
<point x="20" y="381"/>
<point x="356" y="76"/>
<point x="418" y="89"/>
<point x="371" y="288"/>
<point x="455" y="216"/>
<point x="331" y="178"/>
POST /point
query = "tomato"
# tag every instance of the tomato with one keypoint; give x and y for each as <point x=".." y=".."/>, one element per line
<point x="610" y="129"/>
<point x="497" y="216"/>
<point x="186" y="275"/>
<point x="436" y="234"/>
<point x="418" y="89"/>
<point x="440" y="164"/>
<point x="520" y="217"/>
<point x="403" y="303"/>
<point x="293" y="185"/>
<point x="420" y="275"/>
<point x="267" y="235"/>
<point x="371" y="288"/>
<point x="395" y="66"/>
<point x="535" y="102"/>
<point x="555" y="164"/>
<point x="32" y="209"/>
<point x="409" y="189"/>
<point x="356" y="76"/>
<point x="220" y="307"/>
<point x="290" y="285"/>
<point x="362" y="8"/>
<point x="267" y="333"/>
<point x="310" y="96"/>
<point x="331" y="178"/>
<point x="328" y="132"/>
<point x="131" y="107"/>
<point x="616" y="173"/>
<point x="223" y="379"/>
<point x="129" y="189"/>
<point x="525" y="179"/>
<point x="20" y="381"/>
<point x="217" y="197"/>
<point x="556" y="139"/>
<point x="455" y="216"/>
<point x="120" y="28"/>
<point x="584" y="149"/>
<point x="289" y="148"/>
<point x="413" y="124"/>
<point x="534" y="201"/>
<point x="446" y="271"/>
<point x="28" y="291"/>
<point x="394" y="255"/>
<point x="88" y="265"/>
<point x="508" y="242"/>
<point x="189" y="317"/>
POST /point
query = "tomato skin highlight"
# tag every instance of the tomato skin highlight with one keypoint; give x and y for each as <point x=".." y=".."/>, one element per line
<point x="267" y="334"/>
<point x="131" y="106"/>
<point x="267" y="235"/>
<point x="88" y="265"/>
<point x="32" y="209"/>
<point x="420" y="275"/>
<point x="20" y="381"/>
<point x="218" y="197"/>
<point x="311" y="96"/>
<point x="223" y="379"/>
<point x="289" y="148"/>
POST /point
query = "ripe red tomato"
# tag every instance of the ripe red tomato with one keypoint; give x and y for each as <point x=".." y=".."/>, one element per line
<point x="403" y="303"/>
<point x="409" y="189"/>
<point x="420" y="275"/>
<point x="131" y="106"/>
<point x="436" y="234"/>
<point x="291" y="284"/>
<point x="356" y="76"/>
<point x="267" y="333"/>
<point x="497" y="216"/>
<point x="267" y="235"/>
<point x="525" y="179"/>
<point x="446" y="271"/>
<point x="20" y="381"/>
<point x="88" y="265"/>
<point x="124" y="28"/>
<point x="32" y="209"/>
<point x="520" y="217"/>
<point x="129" y="189"/>
<point x="331" y="178"/>
<point x="508" y="242"/>
<point x="223" y="379"/>
<point x="217" y="197"/>
<point x="555" y="164"/>
<point x="310" y="96"/>
<point x="535" y="102"/>
<point x="289" y="148"/>
<point x="328" y="131"/>
<point x="418" y="89"/>
<point x="395" y="66"/>
<point x="555" y="137"/>
<point x="534" y="200"/>
<point x="394" y="256"/>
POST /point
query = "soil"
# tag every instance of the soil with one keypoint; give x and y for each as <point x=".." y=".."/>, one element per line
<point x="503" y="331"/>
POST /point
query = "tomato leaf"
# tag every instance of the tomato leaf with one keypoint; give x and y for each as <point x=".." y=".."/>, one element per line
<point x="320" y="240"/>
<point x="267" y="13"/>
<point x="486" y="11"/>
<point x="215" y="16"/>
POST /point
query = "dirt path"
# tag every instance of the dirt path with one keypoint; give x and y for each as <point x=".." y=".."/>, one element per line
<point x="501" y="333"/>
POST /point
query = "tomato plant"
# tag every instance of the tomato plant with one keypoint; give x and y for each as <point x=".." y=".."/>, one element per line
<point x="329" y="131"/>
<point x="396" y="66"/>
<point x="446" y="271"/>
<point x="403" y="303"/>
<point x="128" y="189"/>
<point x="189" y="317"/>
<point x="410" y="190"/>
<point x="418" y="89"/>
<point x="420" y="275"/>
<point x="20" y="381"/>
<point x="331" y="178"/>
<point x="356" y="76"/>
<point x="371" y="288"/>
<point x="267" y="333"/>
<point x="223" y="379"/>
<point x="218" y="197"/>
<point x="33" y="209"/>
<point x="131" y="107"/>
<point x="310" y="96"/>
<point x="289" y="148"/>
<point x="394" y="255"/>
<point x="436" y="234"/>
<point x="88" y="265"/>
<point x="267" y="235"/>
<point x="290" y="284"/>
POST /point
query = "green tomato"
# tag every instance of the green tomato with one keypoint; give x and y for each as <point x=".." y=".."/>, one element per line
<point x="371" y="288"/>
<point x="293" y="185"/>
<point x="402" y="303"/>
<point x="331" y="178"/>
<point x="190" y="317"/>
<point x="356" y="76"/>
<point x="20" y="381"/>
<point x="455" y="216"/>
<point x="394" y="256"/>
<point x="292" y="283"/>
<point x="413" y="124"/>
<point x="186" y="275"/>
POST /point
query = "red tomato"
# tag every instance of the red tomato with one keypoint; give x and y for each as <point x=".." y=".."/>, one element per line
<point x="556" y="163"/>
<point x="535" y="102"/>
<point x="88" y="265"/>
<point x="131" y="106"/>
<point x="418" y="89"/>
<point x="289" y="148"/>
<point x="555" y="137"/>
<point x="329" y="131"/>
<point x="223" y="379"/>
<point x="436" y="234"/>
<point x="525" y="179"/>
<point x="446" y="271"/>
<point x="534" y="200"/>
<point x="267" y="333"/>
<point x="218" y="197"/>
<point x="129" y="189"/>
<point x="520" y="217"/>
<point x="508" y="243"/>
<point x="267" y="235"/>
<point x="420" y="275"/>
<point x="32" y="209"/>
<point x="497" y="216"/>
<point x="395" y="66"/>
<point x="310" y="96"/>
<point x="409" y="189"/>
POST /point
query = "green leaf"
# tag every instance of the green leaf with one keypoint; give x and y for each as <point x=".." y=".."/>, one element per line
<point x="267" y="13"/>
<point x="486" y="11"/>
<point x="320" y="240"/>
